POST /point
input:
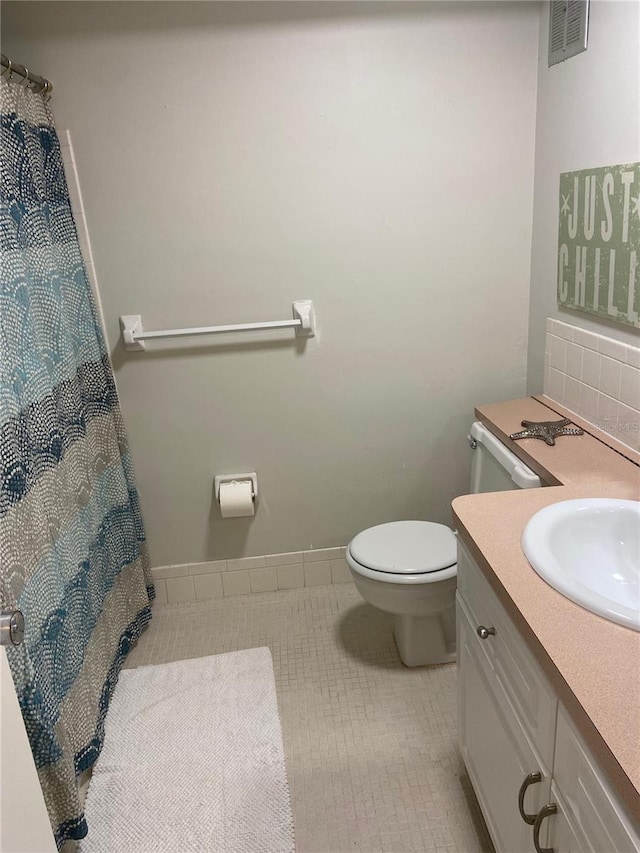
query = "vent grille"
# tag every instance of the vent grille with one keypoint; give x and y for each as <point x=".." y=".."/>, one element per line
<point x="574" y="21"/>
<point x="568" y="29"/>
<point x="556" y="33"/>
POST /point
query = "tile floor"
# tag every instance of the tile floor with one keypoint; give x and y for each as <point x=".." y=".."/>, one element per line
<point x="370" y="745"/>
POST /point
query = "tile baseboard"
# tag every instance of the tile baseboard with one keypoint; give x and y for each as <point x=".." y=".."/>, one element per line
<point x="246" y="575"/>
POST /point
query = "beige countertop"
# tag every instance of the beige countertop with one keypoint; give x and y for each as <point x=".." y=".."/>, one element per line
<point x="593" y="664"/>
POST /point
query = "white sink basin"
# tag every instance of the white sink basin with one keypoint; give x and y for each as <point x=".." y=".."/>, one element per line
<point x="589" y="550"/>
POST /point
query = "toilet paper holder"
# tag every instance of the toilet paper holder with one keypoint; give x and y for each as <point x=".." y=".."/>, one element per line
<point x="238" y="478"/>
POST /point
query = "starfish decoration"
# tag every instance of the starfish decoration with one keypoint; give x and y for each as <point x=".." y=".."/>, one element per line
<point x="546" y="430"/>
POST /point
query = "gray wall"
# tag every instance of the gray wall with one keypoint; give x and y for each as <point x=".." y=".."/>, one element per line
<point x="588" y="115"/>
<point x="376" y="158"/>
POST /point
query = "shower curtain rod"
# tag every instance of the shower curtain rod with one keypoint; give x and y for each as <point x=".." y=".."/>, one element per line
<point x="23" y="71"/>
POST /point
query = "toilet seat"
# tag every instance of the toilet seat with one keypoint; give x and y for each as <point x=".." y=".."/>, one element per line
<point x="404" y="552"/>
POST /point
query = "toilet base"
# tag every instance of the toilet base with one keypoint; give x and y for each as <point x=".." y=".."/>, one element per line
<point x="426" y="640"/>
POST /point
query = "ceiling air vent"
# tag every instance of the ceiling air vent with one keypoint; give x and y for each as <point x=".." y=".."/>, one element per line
<point x="568" y="29"/>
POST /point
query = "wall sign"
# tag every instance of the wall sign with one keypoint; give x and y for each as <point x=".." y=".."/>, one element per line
<point x="599" y="242"/>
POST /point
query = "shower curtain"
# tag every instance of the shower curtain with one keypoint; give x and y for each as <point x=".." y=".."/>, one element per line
<point x="72" y="551"/>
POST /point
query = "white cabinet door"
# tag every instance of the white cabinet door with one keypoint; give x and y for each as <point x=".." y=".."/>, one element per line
<point x="495" y="748"/>
<point x="563" y="836"/>
<point x="585" y="795"/>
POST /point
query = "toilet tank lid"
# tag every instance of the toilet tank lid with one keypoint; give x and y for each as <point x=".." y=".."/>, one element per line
<point x="405" y="547"/>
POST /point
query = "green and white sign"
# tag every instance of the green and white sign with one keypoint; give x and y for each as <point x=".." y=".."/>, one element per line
<point x="599" y="242"/>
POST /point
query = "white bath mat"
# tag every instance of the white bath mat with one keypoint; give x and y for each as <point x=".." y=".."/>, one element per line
<point x="192" y="761"/>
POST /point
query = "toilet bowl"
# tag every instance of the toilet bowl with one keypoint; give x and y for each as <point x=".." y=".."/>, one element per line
<point x="408" y="568"/>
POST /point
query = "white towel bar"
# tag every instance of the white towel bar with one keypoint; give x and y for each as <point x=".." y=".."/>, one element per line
<point x="134" y="336"/>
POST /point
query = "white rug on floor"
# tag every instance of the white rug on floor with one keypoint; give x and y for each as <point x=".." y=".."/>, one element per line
<point x="192" y="761"/>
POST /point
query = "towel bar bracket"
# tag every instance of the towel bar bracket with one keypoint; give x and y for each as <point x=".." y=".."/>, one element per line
<point x="131" y="325"/>
<point x="134" y="335"/>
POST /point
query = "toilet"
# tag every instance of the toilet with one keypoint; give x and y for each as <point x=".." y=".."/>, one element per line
<point x="408" y="568"/>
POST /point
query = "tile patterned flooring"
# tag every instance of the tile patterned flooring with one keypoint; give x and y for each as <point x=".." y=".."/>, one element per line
<point x="370" y="745"/>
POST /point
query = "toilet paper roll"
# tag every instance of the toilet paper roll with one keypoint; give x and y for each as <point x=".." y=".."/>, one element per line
<point x="236" y="499"/>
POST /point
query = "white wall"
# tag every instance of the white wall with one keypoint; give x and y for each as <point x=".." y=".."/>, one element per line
<point x="376" y="158"/>
<point x="588" y="115"/>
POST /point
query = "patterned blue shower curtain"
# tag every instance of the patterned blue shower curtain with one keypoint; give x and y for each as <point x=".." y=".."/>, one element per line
<point x="72" y="551"/>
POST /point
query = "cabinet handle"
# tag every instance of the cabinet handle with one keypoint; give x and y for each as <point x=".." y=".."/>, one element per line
<point x="483" y="632"/>
<point x="545" y="811"/>
<point x="530" y="779"/>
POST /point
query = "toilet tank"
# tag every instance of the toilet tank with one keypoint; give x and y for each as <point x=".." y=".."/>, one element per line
<point x="494" y="467"/>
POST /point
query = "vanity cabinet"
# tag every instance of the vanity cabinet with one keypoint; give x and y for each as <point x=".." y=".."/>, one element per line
<point x="584" y="798"/>
<point x="497" y="751"/>
<point x="538" y="786"/>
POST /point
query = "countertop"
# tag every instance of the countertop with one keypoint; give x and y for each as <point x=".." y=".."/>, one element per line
<point x="593" y="664"/>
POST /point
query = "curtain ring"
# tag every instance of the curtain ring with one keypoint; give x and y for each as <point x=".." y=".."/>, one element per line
<point x="7" y="70"/>
<point x="25" y="82"/>
<point x="45" y="87"/>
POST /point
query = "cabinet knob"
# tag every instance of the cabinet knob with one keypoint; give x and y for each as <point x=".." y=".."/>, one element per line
<point x="545" y="811"/>
<point x="483" y="632"/>
<point x="529" y="779"/>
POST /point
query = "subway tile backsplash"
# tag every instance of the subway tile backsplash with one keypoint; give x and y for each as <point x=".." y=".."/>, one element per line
<point x="201" y="581"/>
<point x="596" y="377"/>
